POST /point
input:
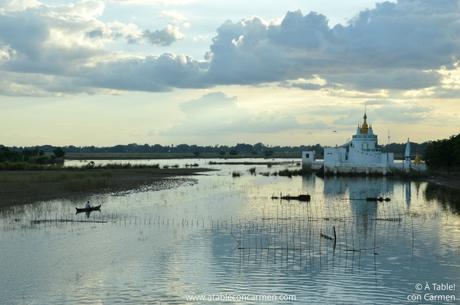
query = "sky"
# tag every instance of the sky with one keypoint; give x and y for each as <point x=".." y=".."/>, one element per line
<point x="210" y="72"/>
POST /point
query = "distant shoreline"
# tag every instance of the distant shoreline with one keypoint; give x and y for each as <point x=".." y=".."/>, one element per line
<point x="156" y="156"/>
<point x="28" y="186"/>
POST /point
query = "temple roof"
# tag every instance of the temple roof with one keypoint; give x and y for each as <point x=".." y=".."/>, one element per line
<point x="364" y="128"/>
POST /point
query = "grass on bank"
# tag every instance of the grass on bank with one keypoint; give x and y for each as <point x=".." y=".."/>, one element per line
<point x="95" y="175"/>
<point x="27" y="186"/>
<point x="20" y="166"/>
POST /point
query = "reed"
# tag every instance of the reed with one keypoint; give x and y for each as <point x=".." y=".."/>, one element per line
<point x="293" y="172"/>
<point x="236" y="174"/>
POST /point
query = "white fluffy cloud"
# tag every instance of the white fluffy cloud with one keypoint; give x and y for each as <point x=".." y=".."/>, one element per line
<point x="17" y="5"/>
<point x="394" y="46"/>
<point x="59" y="40"/>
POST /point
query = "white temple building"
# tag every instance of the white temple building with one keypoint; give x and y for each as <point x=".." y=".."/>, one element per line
<point x="361" y="155"/>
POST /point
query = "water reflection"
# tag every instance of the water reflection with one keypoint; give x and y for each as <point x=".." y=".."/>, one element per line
<point x="225" y="234"/>
<point x="446" y="197"/>
<point x="407" y="192"/>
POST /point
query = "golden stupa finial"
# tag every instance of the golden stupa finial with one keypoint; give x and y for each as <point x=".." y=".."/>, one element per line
<point x="364" y="127"/>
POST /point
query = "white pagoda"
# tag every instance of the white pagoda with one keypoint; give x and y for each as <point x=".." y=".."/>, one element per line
<point x="361" y="155"/>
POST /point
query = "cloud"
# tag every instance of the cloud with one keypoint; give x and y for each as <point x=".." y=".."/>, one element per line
<point x="314" y="83"/>
<point x="66" y="42"/>
<point x="379" y="111"/>
<point x="17" y="5"/>
<point x="400" y="113"/>
<point x="395" y="79"/>
<point x="150" y="73"/>
<point x="6" y="52"/>
<point x="164" y="37"/>
<point x="393" y="46"/>
<point x="155" y="2"/>
<point x="39" y="85"/>
<point x="396" y="47"/>
<point x="174" y="16"/>
<point x="110" y="31"/>
<point x="212" y="101"/>
<point x="216" y="113"/>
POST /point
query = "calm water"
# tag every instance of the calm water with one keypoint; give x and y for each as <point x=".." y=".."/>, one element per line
<point x="216" y="234"/>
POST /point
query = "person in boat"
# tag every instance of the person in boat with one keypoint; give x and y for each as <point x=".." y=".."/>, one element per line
<point x="88" y="205"/>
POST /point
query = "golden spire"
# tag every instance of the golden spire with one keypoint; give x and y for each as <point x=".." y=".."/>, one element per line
<point x="364" y="127"/>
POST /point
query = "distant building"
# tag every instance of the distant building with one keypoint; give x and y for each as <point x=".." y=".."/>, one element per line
<point x="361" y="155"/>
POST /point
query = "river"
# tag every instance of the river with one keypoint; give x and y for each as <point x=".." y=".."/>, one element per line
<point x="218" y="236"/>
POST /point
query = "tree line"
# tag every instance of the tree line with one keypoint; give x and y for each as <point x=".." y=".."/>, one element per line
<point x="258" y="149"/>
<point x="444" y="154"/>
<point x="31" y="155"/>
<point x="242" y="149"/>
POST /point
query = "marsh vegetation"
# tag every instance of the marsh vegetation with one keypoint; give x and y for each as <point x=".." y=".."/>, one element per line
<point x="27" y="186"/>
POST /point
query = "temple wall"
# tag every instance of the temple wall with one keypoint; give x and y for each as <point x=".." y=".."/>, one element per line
<point x="353" y="169"/>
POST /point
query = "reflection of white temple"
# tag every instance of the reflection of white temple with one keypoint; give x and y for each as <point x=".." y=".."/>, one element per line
<point x="356" y="190"/>
<point x="361" y="155"/>
<point x="407" y="193"/>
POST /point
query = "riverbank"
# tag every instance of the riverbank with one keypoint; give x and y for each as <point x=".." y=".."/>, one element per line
<point x="450" y="180"/>
<point x="268" y="163"/>
<point x="22" y="187"/>
<point x="443" y="178"/>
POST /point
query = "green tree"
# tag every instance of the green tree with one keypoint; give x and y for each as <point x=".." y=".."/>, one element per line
<point x="444" y="153"/>
<point x="268" y="152"/>
<point x="58" y="152"/>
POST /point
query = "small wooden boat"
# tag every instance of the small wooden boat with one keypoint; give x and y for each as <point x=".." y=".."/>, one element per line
<point x="90" y="209"/>
<point x="381" y="199"/>
<point x="305" y="198"/>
